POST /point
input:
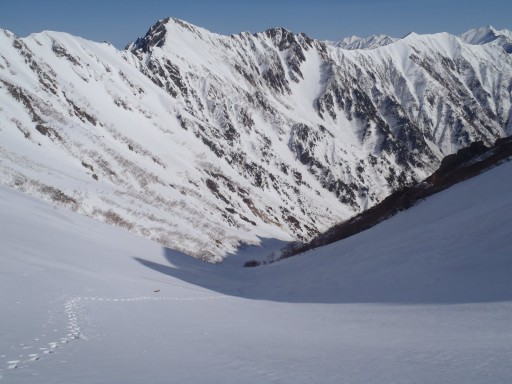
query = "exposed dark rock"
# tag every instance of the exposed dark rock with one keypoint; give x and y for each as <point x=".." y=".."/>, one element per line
<point x="155" y="37"/>
<point x="57" y="196"/>
<point x="466" y="163"/>
<point x="60" y="51"/>
<point x="214" y="187"/>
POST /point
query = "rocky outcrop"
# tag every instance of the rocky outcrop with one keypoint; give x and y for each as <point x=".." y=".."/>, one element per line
<point x="466" y="163"/>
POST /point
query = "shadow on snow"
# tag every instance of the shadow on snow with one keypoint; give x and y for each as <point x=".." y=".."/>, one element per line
<point x="326" y="276"/>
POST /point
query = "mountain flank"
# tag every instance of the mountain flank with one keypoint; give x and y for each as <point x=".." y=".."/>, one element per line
<point x="205" y="142"/>
<point x="466" y="163"/>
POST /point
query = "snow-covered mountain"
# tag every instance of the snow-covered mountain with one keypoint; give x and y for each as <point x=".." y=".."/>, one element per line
<point x="489" y="35"/>
<point x="202" y="141"/>
<point x="370" y="42"/>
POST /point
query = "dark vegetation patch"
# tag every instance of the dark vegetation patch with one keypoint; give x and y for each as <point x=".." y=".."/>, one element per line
<point x="57" y="196"/>
<point x="466" y="163"/>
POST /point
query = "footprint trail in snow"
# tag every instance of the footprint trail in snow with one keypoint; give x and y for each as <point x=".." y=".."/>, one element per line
<point x="75" y="311"/>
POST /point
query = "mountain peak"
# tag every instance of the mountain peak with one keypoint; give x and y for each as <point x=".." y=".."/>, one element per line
<point x="480" y="36"/>
<point x="155" y="37"/>
<point x="158" y="34"/>
<point x="370" y="42"/>
<point x="280" y="35"/>
<point x="285" y="39"/>
<point x="487" y="35"/>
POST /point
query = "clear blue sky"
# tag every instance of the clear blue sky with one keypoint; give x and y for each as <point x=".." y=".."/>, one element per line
<point x="121" y="22"/>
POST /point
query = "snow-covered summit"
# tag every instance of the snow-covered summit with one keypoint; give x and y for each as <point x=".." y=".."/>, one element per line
<point x="370" y="42"/>
<point x="164" y="31"/>
<point x="487" y="35"/>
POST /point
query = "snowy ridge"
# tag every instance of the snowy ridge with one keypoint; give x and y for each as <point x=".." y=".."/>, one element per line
<point x="488" y="35"/>
<point x="370" y="42"/>
<point x="203" y="142"/>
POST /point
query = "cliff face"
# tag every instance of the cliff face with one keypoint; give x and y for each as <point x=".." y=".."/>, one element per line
<point x="466" y="163"/>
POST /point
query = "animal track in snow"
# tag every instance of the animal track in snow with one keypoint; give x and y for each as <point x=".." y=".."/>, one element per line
<point x="73" y="308"/>
<point x="12" y="364"/>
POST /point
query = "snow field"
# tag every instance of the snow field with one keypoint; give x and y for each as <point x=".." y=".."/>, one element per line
<point x="423" y="297"/>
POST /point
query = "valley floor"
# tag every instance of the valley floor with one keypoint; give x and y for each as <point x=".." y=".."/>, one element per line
<point x="425" y="297"/>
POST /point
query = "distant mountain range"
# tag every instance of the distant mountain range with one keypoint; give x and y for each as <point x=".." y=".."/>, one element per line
<point x="371" y="42"/>
<point x="204" y="142"/>
<point x="487" y="35"/>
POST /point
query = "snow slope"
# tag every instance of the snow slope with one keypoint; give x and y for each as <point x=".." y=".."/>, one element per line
<point x="423" y="297"/>
<point x="204" y="142"/>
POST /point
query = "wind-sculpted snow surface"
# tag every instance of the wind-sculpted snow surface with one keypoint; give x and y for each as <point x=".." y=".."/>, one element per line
<point x="203" y="142"/>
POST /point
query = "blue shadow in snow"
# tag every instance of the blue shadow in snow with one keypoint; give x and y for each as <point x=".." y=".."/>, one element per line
<point x="323" y="277"/>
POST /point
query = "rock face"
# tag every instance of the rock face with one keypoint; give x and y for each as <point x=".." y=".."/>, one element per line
<point x="204" y="142"/>
<point x="466" y="163"/>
